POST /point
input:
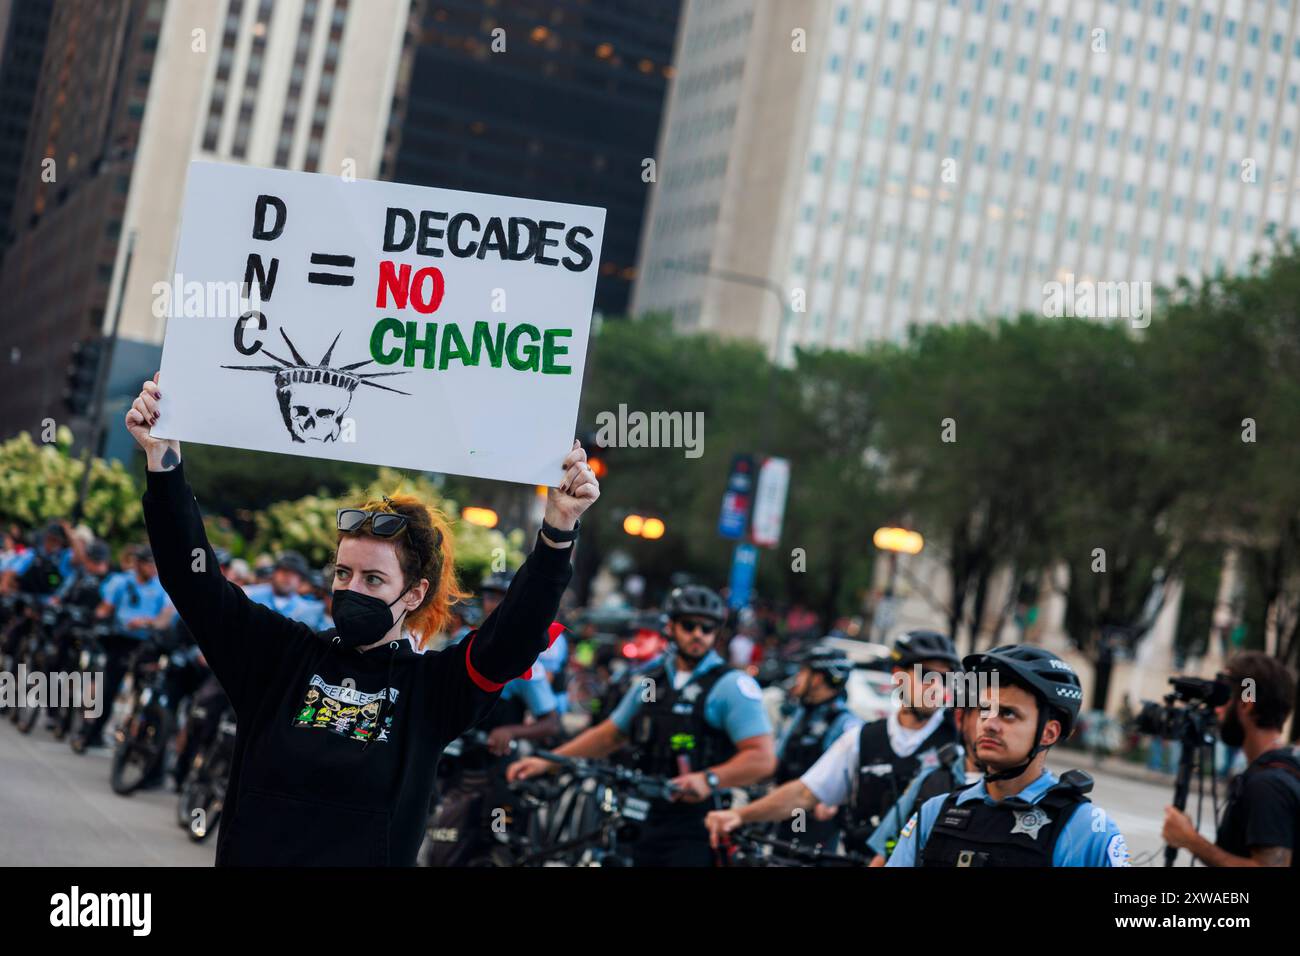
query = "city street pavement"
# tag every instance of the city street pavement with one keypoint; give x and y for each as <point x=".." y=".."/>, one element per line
<point x="57" y="808"/>
<point x="1138" y="808"/>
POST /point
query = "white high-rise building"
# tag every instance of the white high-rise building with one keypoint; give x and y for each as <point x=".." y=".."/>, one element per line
<point x="296" y="84"/>
<point x="885" y="163"/>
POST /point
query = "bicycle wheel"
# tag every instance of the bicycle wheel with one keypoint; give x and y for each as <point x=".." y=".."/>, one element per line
<point x="25" y="718"/>
<point x="209" y="796"/>
<point x="140" y="753"/>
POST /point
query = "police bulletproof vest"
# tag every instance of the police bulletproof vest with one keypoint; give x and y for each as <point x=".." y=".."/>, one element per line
<point x="1011" y="833"/>
<point x="559" y="682"/>
<point x="504" y="713"/>
<point x="42" y="575"/>
<point x="85" y="591"/>
<point x="671" y="726"/>
<point x="883" y="775"/>
<point x="806" y="740"/>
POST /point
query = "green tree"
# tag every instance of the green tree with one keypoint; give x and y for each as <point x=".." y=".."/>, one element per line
<point x="308" y="525"/>
<point x="39" y="482"/>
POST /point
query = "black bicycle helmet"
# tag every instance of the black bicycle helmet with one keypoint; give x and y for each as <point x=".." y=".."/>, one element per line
<point x="54" y="529"/>
<point x="294" y="562"/>
<point x="834" y="665"/>
<point x="498" y="581"/>
<point x="921" y="645"/>
<point x="1051" y="680"/>
<point x="695" y="600"/>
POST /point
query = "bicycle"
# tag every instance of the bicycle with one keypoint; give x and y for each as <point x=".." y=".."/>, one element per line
<point x="141" y="739"/>
<point x="39" y="652"/>
<point x="203" y="794"/>
<point x="17" y="618"/>
<point x="470" y="810"/>
<point x="618" y="797"/>
<point x="750" y="849"/>
<point x="90" y="657"/>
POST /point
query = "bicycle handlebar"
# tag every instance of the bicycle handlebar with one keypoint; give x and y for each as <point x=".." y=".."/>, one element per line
<point x="816" y="855"/>
<point x="657" y="788"/>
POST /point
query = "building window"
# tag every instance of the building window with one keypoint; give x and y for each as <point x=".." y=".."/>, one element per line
<point x="252" y="78"/>
<point x="217" y="102"/>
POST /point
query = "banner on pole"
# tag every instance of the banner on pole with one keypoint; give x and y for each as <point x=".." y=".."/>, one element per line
<point x="737" y="498"/>
<point x="769" y="502"/>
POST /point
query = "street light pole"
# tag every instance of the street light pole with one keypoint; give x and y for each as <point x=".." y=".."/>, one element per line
<point x="741" y="554"/>
<point x="892" y="541"/>
<point x="756" y="282"/>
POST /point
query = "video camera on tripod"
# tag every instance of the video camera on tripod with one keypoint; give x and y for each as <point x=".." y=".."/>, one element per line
<point x="1187" y="715"/>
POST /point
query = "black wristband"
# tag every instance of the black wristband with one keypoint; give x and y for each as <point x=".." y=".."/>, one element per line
<point x="558" y="536"/>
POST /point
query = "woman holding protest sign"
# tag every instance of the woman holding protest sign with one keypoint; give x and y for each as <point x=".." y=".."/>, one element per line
<point x="340" y="731"/>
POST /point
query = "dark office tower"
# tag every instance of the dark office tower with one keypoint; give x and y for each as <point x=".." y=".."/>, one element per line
<point x="69" y="197"/>
<point x="568" y="111"/>
<point x="23" y="28"/>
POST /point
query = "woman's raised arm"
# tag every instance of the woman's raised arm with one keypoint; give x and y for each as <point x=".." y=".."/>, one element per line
<point x="509" y="641"/>
<point x="241" y="640"/>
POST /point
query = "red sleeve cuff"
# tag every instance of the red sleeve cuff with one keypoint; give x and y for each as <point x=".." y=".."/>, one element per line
<point x="490" y="686"/>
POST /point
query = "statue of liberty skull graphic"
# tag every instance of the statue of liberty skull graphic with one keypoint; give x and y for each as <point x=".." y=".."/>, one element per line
<point x="315" y="398"/>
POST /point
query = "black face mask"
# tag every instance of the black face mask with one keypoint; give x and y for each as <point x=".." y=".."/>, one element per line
<point x="361" y="619"/>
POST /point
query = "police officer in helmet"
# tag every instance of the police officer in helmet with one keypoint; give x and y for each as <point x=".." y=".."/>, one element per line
<point x="82" y="588"/>
<point x="821" y="714"/>
<point x="687" y="717"/>
<point x="867" y="769"/>
<point x="1019" y="814"/>
<point x="956" y="768"/>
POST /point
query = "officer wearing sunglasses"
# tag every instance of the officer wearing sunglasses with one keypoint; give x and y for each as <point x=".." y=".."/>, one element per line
<point x="687" y="717"/>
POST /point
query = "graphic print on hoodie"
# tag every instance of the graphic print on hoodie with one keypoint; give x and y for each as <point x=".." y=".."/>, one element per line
<point x="334" y="780"/>
<point x="345" y="710"/>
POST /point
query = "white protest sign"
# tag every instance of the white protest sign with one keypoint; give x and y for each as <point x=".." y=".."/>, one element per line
<point x="769" y="502"/>
<point x="384" y="323"/>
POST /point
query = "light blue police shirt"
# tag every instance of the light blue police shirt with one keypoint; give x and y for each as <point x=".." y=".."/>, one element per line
<point x="535" y="692"/>
<point x="1089" y="838"/>
<point x="554" y="659"/>
<point x="132" y="599"/>
<point x="734" y="705"/>
<point x="892" y="822"/>
<point x="842" y="721"/>
<point x="296" y="607"/>
<point x="19" y="563"/>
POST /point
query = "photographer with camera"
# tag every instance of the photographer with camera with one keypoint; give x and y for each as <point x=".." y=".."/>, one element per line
<point x="1261" y="821"/>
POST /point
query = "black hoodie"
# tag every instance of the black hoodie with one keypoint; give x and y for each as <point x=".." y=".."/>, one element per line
<point x="326" y="771"/>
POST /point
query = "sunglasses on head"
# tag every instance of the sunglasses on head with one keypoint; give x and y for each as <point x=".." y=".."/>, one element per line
<point x="693" y="624"/>
<point x="382" y="524"/>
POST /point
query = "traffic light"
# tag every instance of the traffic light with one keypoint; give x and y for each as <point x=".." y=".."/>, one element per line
<point x="83" y="369"/>
<point x="595" y="455"/>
